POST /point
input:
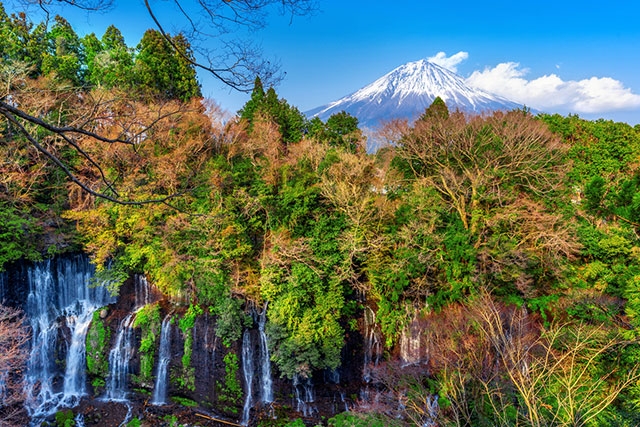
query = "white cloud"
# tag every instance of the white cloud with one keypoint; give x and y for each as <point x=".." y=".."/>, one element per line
<point x="551" y="93"/>
<point x="451" y="62"/>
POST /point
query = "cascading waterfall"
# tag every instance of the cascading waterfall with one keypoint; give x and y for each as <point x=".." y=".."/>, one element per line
<point x="372" y="344"/>
<point x="123" y="349"/>
<point x="304" y="395"/>
<point x="3" y="286"/>
<point x="75" y="375"/>
<point x="261" y="373"/>
<point x="60" y="295"/>
<point x="164" y="357"/>
<point x="142" y="291"/>
<point x="410" y="344"/>
<point x="265" y="360"/>
<point x="210" y="346"/>
<point x="371" y="355"/>
<point x="119" y="357"/>
<point x="247" y="370"/>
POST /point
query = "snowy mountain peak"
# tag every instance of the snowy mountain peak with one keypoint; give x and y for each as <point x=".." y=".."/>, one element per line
<point x="407" y="91"/>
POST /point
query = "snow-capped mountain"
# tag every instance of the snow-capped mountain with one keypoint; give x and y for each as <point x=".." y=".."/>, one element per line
<point x="407" y="91"/>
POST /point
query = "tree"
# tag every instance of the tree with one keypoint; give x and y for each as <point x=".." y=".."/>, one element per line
<point x="495" y="364"/>
<point x="109" y="60"/>
<point x="64" y="55"/>
<point x="472" y="161"/>
<point x="438" y="109"/>
<point x="341" y="130"/>
<point x="14" y="337"/>
<point x="232" y="60"/>
<point x="267" y="106"/>
<point x="161" y="71"/>
<point x="214" y="28"/>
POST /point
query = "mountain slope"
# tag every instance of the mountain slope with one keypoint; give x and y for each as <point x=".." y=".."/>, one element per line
<point x="407" y="91"/>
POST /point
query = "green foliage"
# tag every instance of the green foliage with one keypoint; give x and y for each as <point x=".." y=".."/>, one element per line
<point x="438" y="110"/>
<point x="186" y="378"/>
<point x="307" y="302"/>
<point x="230" y="389"/>
<point x="134" y="422"/>
<point x="594" y="191"/>
<point x="64" y="56"/>
<point x="351" y="419"/>
<point x="268" y="106"/>
<point x="109" y="60"/>
<point x="184" y="401"/>
<point x="65" y="418"/>
<point x="149" y="322"/>
<point x="15" y="241"/>
<point x="171" y="420"/>
<point x="97" y="349"/>
<point x="341" y="130"/>
<point x="164" y="72"/>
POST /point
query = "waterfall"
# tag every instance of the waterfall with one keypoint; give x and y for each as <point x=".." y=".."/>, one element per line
<point x="372" y="344"/>
<point x="60" y="295"/>
<point x="142" y="290"/>
<point x="432" y="411"/>
<point x="410" y="345"/>
<point x="265" y="360"/>
<point x="3" y="286"/>
<point x="119" y="357"/>
<point x="304" y="396"/>
<point x="248" y="370"/>
<point x="123" y="350"/>
<point x="160" y="388"/>
<point x="75" y="375"/>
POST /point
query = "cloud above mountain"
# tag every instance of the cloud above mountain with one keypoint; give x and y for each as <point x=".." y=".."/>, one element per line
<point x="549" y="92"/>
<point x="448" y="62"/>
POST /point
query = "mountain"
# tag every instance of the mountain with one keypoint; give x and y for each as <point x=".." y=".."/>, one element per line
<point x="407" y="91"/>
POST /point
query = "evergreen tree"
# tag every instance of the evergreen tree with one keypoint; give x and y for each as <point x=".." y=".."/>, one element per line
<point x="21" y="42"/>
<point x="65" y="55"/>
<point x="291" y="122"/>
<point x="162" y="71"/>
<point x="342" y="130"/>
<point x="437" y="110"/>
<point x="109" y="60"/>
<point x="257" y="97"/>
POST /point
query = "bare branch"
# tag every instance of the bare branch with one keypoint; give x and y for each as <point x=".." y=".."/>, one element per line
<point x="14" y="336"/>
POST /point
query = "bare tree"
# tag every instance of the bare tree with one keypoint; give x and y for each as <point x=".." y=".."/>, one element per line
<point x="14" y="336"/>
<point x="526" y="374"/>
<point x="469" y="159"/>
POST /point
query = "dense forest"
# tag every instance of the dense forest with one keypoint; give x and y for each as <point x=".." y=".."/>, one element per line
<point x="509" y="241"/>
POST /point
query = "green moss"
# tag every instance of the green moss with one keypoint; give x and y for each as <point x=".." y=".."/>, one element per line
<point x="171" y="420"/>
<point x="350" y="419"/>
<point x="65" y="418"/>
<point x="184" y="401"/>
<point x="230" y="390"/>
<point x="148" y="320"/>
<point x="186" y="378"/>
<point x="97" y="343"/>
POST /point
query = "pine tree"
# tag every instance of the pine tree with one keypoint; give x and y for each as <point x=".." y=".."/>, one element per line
<point x="164" y="69"/>
<point x="65" y="55"/>
<point x="438" y="110"/>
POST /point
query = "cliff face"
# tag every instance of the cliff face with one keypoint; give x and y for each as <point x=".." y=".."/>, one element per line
<point x="203" y="376"/>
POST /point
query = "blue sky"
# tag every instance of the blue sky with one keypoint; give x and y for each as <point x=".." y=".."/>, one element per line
<point x="561" y="56"/>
